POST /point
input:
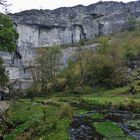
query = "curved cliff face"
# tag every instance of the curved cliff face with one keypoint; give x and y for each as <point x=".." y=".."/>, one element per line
<point x="69" y="25"/>
<point x="66" y="25"/>
<point x="42" y="28"/>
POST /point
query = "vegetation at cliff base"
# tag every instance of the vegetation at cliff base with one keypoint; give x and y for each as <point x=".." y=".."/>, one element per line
<point x="3" y="76"/>
<point x="107" y="67"/>
<point x="8" y="37"/>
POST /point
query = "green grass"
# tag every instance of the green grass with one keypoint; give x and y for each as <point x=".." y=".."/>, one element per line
<point x="108" y="129"/>
<point x="81" y="111"/>
<point x="118" y="97"/>
<point x="111" y="131"/>
<point x="114" y="101"/>
<point x="97" y="116"/>
<point x="23" y="110"/>
<point x="33" y="120"/>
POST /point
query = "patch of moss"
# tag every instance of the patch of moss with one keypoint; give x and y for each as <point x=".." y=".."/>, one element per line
<point x="97" y="116"/>
<point x="82" y="111"/>
<point x="108" y="129"/>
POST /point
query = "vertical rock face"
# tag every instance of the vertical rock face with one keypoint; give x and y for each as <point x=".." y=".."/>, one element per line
<point x="67" y="25"/>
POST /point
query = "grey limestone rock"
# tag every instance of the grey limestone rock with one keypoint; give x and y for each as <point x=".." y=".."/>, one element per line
<point x="66" y="25"/>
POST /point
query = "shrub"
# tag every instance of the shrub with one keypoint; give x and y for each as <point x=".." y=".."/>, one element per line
<point x="66" y="111"/>
<point x="87" y="90"/>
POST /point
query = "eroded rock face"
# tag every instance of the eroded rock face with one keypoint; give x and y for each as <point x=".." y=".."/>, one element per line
<point x="69" y="25"/>
<point x="45" y="28"/>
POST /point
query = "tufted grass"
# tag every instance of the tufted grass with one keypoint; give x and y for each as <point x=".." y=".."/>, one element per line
<point x="33" y="120"/>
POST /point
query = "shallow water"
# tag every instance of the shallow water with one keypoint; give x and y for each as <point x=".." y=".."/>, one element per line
<point x="81" y="127"/>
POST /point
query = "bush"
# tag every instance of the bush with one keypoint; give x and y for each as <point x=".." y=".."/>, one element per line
<point x="66" y="111"/>
<point x="87" y="90"/>
<point x="106" y="71"/>
<point x="3" y="76"/>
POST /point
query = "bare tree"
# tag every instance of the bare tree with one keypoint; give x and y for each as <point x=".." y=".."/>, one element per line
<point x="45" y="69"/>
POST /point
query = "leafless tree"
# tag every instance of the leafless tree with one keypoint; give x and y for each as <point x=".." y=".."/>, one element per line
<point x="45" y="69"/>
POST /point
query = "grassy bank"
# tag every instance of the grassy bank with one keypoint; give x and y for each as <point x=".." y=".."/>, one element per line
<point x="33" y="119"/>
<point x="50" y="117"/>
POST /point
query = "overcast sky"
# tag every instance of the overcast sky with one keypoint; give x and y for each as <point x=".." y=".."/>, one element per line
<point x="20" y="5"/>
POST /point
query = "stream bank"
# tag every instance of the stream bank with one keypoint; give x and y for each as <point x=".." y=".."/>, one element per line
<point x="106" y="124"/>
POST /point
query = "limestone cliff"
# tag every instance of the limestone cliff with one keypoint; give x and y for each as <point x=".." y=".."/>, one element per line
<point x="66" y="25"/>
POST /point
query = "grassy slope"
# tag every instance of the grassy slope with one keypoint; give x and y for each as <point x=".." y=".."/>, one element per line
<point x="33" y="120"/>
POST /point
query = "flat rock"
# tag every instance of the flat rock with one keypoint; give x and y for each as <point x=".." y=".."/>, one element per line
<point x="3" y="106"/>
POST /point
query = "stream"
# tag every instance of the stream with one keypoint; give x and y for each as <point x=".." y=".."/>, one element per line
<point x="82" y="127"/>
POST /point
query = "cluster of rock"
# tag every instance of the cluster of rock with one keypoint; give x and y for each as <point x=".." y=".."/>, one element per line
<point x="66" y="25"/>
<point x="82" y="126"/>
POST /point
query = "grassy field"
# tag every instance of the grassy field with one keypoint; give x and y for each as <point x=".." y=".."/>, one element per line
<point x="32" y="119"/>
<point x="119" y="97"/>
<point x="43" y="118"/>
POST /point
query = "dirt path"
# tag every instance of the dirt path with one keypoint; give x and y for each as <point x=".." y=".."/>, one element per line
<point x="3" y="106"/>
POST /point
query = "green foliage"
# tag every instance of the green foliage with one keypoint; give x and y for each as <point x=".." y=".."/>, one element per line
<point x="8" y="34"/>
<point x="8" y="37"/>
<point x="129" y="41"/>
<point x="104" y="68"/>
<point x="3" y="76"/>
<point x="131" y="23"/>
<point x="47" y="67"/>
<point x="87" y="70"/>
<point x="71" y="75"/>
<point x="106" y="71"/>
<point x="103" y="44"/>
<point x="107" y="67"/>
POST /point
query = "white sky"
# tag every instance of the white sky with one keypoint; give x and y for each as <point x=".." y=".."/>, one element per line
<point x="20" y="5"/>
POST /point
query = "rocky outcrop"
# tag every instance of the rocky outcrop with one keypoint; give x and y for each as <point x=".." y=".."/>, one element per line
<point x="66" y="25"/>
<point x="69" y="25"/>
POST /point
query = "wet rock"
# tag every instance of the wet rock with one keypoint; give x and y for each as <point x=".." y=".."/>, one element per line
<point x="2" y="95"/>
<point x="81" y="127"/>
